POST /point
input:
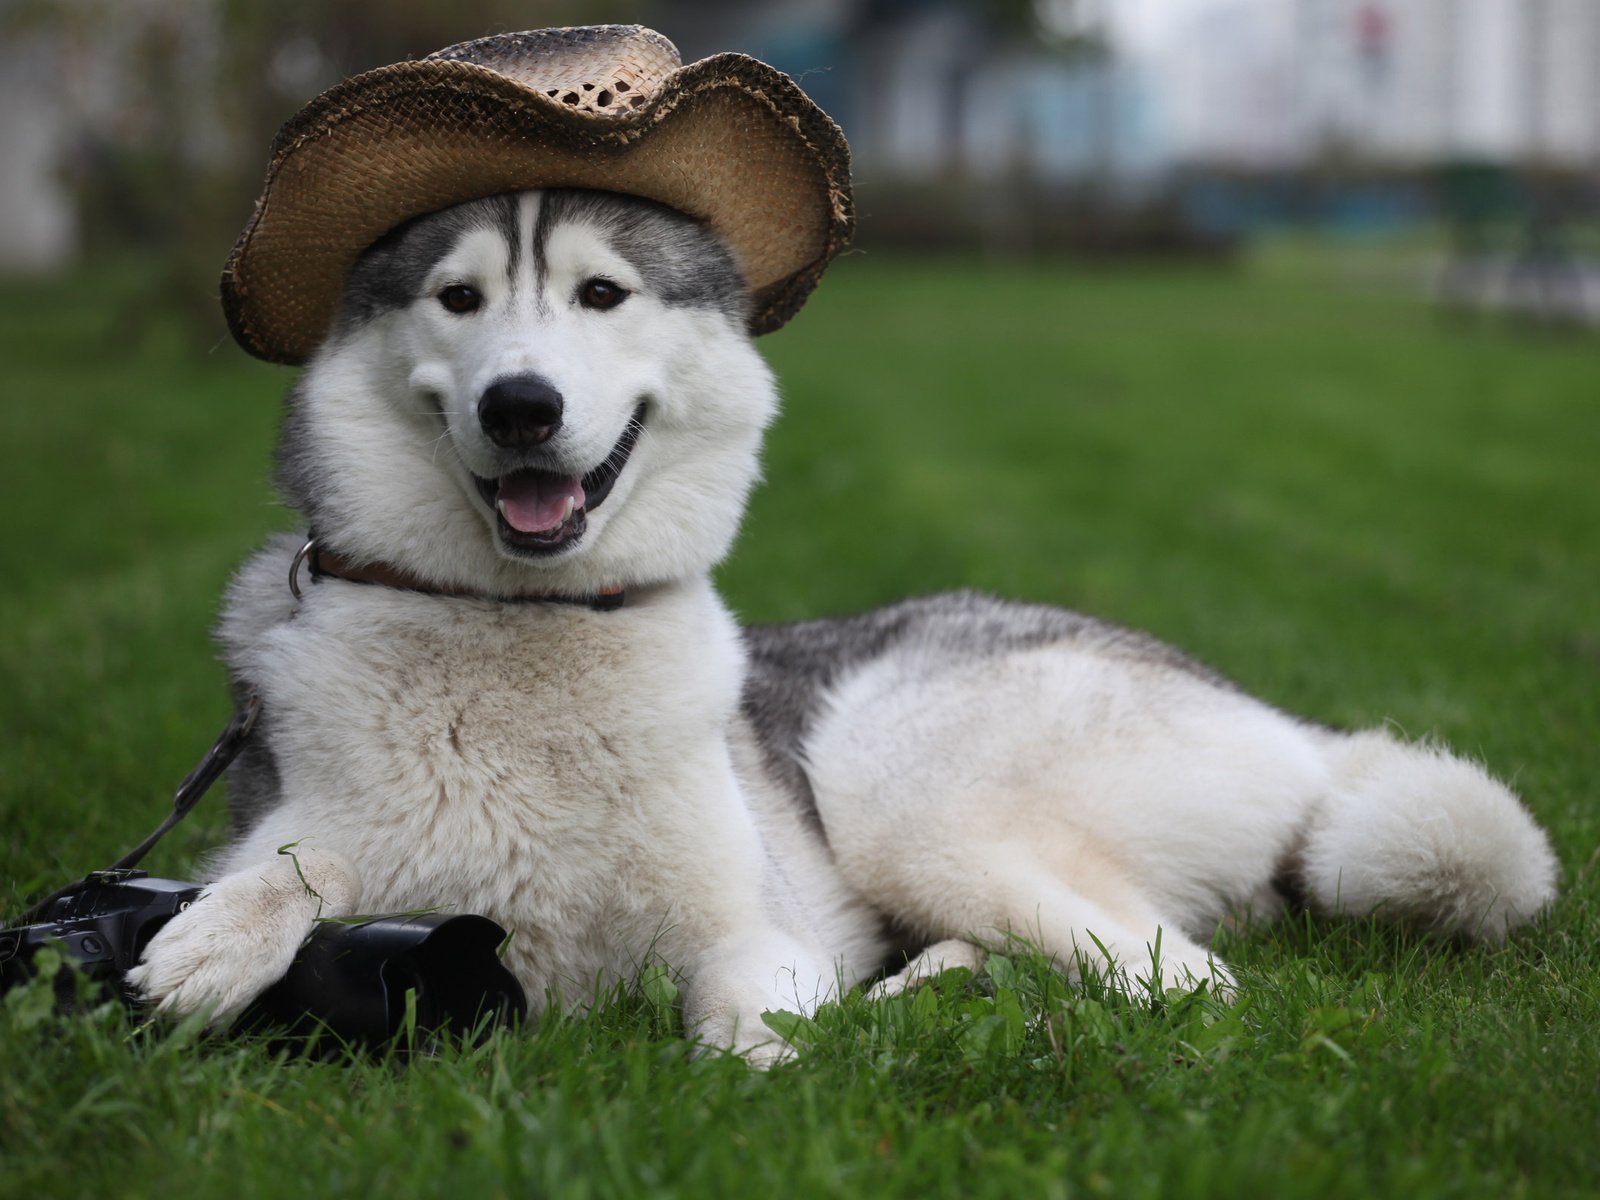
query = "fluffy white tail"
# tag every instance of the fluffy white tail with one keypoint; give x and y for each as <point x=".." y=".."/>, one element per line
<point x="1412" y="833"/>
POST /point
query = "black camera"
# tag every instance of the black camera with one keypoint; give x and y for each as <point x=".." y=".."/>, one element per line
<point x="363" y="981"/>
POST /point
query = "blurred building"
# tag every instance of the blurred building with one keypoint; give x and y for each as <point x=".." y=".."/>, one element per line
<point x="947" y="89"/>
<point x="1279" y="83"/>
<point x="930" y="88"/>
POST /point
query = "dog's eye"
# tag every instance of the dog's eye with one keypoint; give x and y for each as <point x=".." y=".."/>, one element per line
<point x="601" y="293"/>
<point x="459" y="298"/>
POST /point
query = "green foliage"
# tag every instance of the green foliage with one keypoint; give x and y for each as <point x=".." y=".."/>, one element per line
<point x="1352" y="508"/>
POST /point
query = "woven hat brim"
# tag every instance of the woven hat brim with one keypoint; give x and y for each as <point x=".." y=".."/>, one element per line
<point x="727" y="140"/>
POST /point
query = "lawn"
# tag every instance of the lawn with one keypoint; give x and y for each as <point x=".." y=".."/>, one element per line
<point x="1294" y="470"/>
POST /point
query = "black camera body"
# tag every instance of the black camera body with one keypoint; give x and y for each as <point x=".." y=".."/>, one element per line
<point x="363" y="981"/>
<point x="101" y="927"/>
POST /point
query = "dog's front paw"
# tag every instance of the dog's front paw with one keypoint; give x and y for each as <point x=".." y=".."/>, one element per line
<point x="764" y="1053"/>
<point x="240" y="936"/>
<point x="736" y="1000"/>
<point x="747" y="1035"/>
<point x="217" y="956"/>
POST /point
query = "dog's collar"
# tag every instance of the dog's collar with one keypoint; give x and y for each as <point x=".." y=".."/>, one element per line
<point x="328" y="564"/>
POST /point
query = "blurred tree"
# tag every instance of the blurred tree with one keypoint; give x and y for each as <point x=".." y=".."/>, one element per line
<point x="174" y="104"/>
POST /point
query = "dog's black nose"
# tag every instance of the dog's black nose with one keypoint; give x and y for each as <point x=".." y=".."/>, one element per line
<point x="519" y="411"/>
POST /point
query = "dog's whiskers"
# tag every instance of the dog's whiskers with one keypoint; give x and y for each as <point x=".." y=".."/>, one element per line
<point x="444" y="436"/>
<point x="619" y="453"/>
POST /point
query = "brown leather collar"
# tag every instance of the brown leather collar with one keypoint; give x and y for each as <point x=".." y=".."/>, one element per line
<point x="328" y="564"/>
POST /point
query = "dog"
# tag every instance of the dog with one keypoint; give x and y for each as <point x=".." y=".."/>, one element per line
<point x="533" y="400"/>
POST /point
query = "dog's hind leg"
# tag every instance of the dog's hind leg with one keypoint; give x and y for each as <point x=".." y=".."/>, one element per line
<point x="1080" y="912"/>
<point x="240" y="936"/>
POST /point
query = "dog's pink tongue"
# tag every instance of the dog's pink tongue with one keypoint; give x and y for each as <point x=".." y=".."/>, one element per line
<point x="536" y="502"/>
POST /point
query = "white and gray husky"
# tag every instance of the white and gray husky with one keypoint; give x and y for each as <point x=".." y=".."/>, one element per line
<point x="535" y="399"/>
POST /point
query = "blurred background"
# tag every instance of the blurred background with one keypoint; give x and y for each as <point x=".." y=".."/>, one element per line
<point x="1111" y="129"/>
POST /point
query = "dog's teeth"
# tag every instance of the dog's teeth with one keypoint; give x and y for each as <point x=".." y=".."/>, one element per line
<point x="572" y="503"/>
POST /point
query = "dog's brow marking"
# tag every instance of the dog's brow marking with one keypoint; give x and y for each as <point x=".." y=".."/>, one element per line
<point x="519" y="214"/>
<point x="509" y="213"/>
<point x="548" y="210"/>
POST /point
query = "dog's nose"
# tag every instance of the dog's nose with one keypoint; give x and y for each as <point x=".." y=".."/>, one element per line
<point x="519" y="411"/>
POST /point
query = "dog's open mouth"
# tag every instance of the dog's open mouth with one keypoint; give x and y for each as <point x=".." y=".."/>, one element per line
<point x="542" y="511"/>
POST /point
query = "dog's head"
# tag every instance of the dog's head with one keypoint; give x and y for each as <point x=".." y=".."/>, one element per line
<point x="543" y="391"/>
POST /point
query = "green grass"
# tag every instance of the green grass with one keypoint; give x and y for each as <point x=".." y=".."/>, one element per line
<point x="1294" y="472"/>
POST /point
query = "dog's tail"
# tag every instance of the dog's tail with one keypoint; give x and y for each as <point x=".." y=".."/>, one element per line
<point x="1412" y="833"/>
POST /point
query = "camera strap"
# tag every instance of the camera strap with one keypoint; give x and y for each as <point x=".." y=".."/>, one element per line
<point x="206" y="772"/>
<point x="195" y="784"/>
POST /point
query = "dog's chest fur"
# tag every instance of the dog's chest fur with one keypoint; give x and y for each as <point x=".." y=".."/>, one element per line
<point x="525" y="761"/>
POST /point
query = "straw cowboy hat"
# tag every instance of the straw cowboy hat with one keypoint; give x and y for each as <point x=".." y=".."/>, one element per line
<point x="727" y="140"/>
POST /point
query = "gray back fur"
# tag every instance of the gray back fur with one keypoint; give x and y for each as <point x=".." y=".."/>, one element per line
<point x="793" y="666"/>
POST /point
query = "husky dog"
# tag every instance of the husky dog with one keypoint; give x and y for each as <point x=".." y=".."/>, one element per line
<point x="538" y="399"/>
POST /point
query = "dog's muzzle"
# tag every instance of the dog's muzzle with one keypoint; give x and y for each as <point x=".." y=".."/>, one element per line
<point x="539" y="512"/>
